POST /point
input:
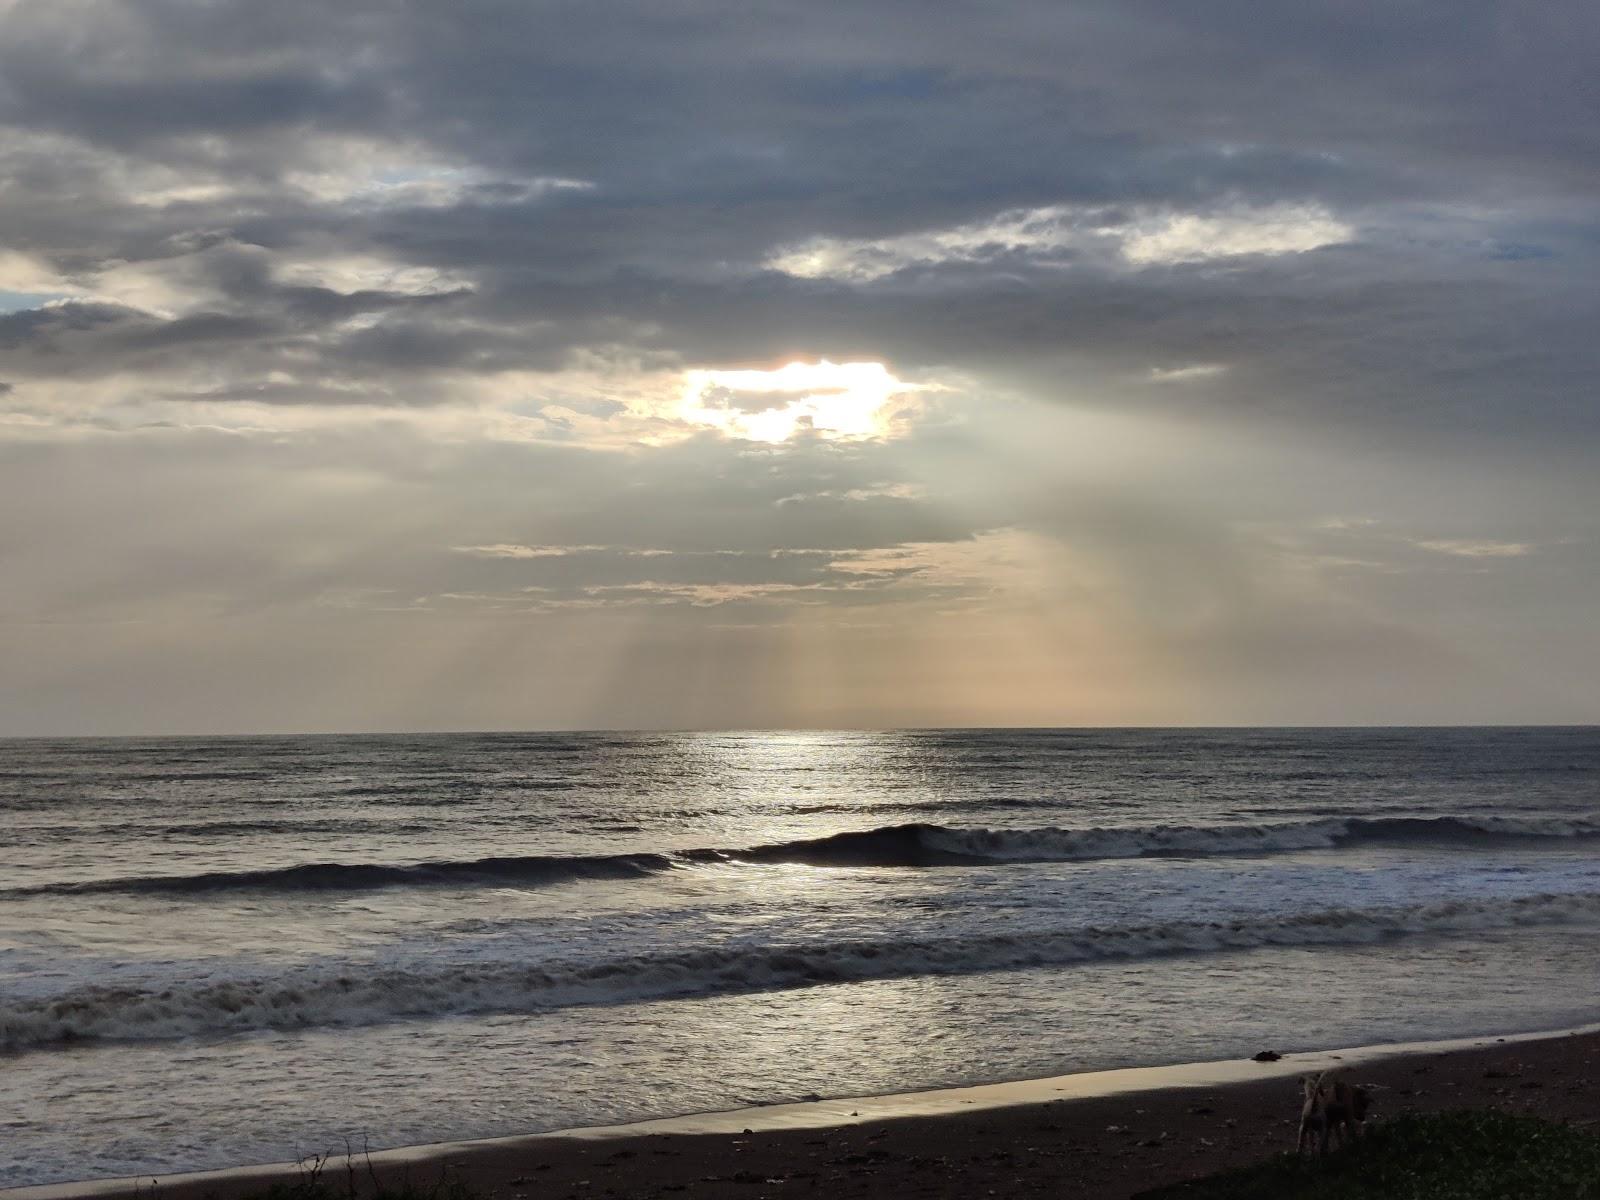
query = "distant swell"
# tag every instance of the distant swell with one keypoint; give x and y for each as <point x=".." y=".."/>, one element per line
<point x="358" y="994"/>
<point x="526" y="870"/>
<point x="910" y="845"/>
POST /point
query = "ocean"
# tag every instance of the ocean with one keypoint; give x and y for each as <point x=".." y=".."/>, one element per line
<point x="227" y="950"/>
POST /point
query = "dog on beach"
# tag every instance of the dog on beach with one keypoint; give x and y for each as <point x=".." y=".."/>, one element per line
<point x="1330" y="1109"/>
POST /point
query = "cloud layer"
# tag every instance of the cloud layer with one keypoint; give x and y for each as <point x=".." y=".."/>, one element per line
<point x="389" y="364"/>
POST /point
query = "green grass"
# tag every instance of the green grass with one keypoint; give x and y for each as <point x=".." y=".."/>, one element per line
<point x="1474" y="1155"/>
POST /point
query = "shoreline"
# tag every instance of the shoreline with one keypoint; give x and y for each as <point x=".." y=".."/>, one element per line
<point x="497" y="1166"/>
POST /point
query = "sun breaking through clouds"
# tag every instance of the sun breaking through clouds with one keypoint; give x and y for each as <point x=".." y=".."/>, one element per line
<point x="831" y="400"/>
<point x="398" y="365"/>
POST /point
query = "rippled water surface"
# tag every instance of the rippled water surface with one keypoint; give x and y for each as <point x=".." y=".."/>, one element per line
<point x="418" y="938"/>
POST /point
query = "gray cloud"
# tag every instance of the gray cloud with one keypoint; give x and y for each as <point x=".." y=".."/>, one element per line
<point x="1446" y="139"/>
<point x="307" y="295"/>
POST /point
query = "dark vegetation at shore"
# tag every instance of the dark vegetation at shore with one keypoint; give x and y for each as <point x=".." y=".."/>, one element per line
<point x="1469" y="1154"/>
<point x="1463" y="1155"/>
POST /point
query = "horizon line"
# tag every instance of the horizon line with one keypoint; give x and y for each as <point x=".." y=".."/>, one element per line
<point x="556" y="731"/>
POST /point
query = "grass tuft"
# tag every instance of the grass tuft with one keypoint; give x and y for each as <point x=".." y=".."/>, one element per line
<point x="1470" y="1155"/>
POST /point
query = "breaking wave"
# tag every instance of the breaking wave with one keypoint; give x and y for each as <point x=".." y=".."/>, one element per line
<point x="356" y="995"/>
<point x="1056" y="845"/>
<point x="909" y="845"/>
<point x="921" y="844"/>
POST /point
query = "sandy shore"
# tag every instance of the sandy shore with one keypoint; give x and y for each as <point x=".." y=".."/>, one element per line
<point x="1106" y="1134"/>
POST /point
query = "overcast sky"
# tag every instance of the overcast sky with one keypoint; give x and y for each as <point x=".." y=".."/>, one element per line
<point x="411" y="364"/>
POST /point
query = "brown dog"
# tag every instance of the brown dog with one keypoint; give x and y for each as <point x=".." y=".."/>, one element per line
<point x="1330" y="1108"/>
<point x="1350" y="1104"/>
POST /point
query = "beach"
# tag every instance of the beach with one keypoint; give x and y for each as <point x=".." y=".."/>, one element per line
<point x="1106" y="1147"/>
<point x="724" y="599"/>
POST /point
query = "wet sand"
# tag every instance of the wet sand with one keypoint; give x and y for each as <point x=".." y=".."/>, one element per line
<point x="1157" y="1126"/>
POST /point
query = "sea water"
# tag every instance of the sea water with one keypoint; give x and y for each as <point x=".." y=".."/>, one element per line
<point x="216" y="951"/>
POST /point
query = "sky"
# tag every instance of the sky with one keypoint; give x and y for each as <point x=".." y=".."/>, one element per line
<point x="506" y="364"/>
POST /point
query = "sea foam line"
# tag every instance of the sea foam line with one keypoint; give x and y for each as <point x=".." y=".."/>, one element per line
<point x="359" y="994"/>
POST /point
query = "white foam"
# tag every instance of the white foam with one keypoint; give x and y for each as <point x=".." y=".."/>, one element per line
<point x="1051" y="844"/>
<point x="323" y="997"/>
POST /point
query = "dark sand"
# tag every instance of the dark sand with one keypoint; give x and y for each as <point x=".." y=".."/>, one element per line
<point x="1110" y="1146"/>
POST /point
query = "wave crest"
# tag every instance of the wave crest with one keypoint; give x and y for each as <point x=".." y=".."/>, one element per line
<point x="909" y="845"/>
<point x="353" y="995"/>
<point x="932" y="845"/>
<point x="528" y="870"/>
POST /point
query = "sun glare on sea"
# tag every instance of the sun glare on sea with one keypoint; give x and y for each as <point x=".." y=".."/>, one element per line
<point x="834" y="400"/>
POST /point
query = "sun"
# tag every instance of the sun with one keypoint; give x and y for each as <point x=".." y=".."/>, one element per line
<point x="837" y="401"/>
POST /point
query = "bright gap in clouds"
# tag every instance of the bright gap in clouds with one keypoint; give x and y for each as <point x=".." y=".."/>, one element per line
<point x="852" y="400"/>
<point x="1061" y="235"/>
